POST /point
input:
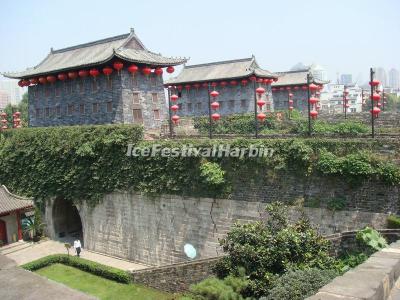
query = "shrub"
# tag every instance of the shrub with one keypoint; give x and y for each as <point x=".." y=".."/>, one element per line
<point x="300" y="284"/>
<point x="393" y="222"/>
<point x="82" y="264"/>
<point x="371" y="238"/>
<point x="350" y="260"/>
<point x="267" y="250"/>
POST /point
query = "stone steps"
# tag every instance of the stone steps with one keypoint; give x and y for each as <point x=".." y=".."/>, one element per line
<point x="14" y="248"/>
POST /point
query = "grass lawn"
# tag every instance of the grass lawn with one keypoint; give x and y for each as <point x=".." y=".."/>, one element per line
<point x="100" y="287"/>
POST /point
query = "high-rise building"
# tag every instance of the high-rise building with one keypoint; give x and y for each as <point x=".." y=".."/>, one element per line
<point x="11" y="88"/>
<point x="380" y="74"/>
<point x="4" y="99"/>
<point x="346" y="79"/>
<point x="394" y="79"/>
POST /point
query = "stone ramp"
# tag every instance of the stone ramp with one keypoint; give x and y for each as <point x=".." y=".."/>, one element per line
<point x="16" y="283"/>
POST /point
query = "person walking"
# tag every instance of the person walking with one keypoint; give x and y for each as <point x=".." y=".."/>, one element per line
<point x="78" y="247"/>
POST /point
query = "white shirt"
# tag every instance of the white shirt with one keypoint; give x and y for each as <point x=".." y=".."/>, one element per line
<point x="77" y="244"/>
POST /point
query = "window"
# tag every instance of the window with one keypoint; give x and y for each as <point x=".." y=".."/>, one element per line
<point x="70" y="109"/>
<point x="109" y="84"/>
<point x="81" y="108"/>
<point x="47" y="110"/>
<point x="156" y="114"/>
<point x="199" y="106"/>
<point x="47" y="91"/>
<point x="95" y="108"/>
<point x="137" y="116"/>
<point x="81" y="86"/>
<point x="231" y="104"/>
<point x="58" y="91"/>
<point x="189" y="107"/>
<point x="153" y="80"/>
<point x="136" y="99"/>
<point x="154" y="97"/>
<point x="109" y="107"/>
<point x="134" y="82"/>
<point x="94" y="86"/>
<point x="243" y="103"/>
<point x="180" y="106"/>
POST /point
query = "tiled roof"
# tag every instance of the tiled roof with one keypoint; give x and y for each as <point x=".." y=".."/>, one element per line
<point x="221" y="70"/>
<point x="10" y="202"/>
<point x="295" y="78"/>
<point x="126" y="46"/>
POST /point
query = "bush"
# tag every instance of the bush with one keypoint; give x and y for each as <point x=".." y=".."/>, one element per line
<point x="347" y="128"/>
<point x="371" y="238"/>
<point x="300" y="284"/>
<point x="393" y="222"/>
<point x="267" y="250"/>
<point x="350" y="260"/>
<point x="82" y="264"/>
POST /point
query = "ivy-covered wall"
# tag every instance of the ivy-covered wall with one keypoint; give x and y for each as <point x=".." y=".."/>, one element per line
<point x="83" y="163"/>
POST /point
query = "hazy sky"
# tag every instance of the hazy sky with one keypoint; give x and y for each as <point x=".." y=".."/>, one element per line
<point x="343" y="36"/>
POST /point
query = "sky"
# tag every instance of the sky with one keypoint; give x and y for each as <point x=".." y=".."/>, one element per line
<point x="343" y="36"/>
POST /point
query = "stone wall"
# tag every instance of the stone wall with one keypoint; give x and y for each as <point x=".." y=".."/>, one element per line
<point x="106" y="100"/>
<point x="281" y="100"/>
<point x="154" y="230"/>
<point x="176" y="277"/>
<point x="232" y="99"/>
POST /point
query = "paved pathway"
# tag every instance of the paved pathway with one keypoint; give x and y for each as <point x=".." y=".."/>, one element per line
<point x="49" y="247"/>
<point x="16" y="283"/>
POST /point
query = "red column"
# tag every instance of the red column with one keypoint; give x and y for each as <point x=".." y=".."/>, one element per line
<point x="19" y="226"/>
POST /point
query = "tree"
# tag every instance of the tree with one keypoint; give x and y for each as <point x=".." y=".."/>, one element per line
<point x="22" y="107"/>
<point x="393" y="103"/>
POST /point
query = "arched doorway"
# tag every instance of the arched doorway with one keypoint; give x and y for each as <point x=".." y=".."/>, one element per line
<point x="3" y="233"/>
<point x="66" y="221"/>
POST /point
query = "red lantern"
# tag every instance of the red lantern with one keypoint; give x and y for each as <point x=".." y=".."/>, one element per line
<point x="62" y="76"/>
<point x="374" y="82"/>
<point x="313" y="87"/>
<point x="26" y="82"/>
<point x="118" y="66"/>
<point x="158" y="71"/>
<point x="214" y="94"/>
<point x="51" y="79"/>
<point x="313" y="114"/>
<point x="146" y="71"/>
<point x="33" y="81"/>
<point x="42" y="80"/>
<point x="175" y="119"/>
<point x="379" y="104"/>
<point x="290" y="95"/>
<point x="253" y="78"/>
<point x="346" y="92"/>
<point x="205" y="85"/>
<point x="179" y="88"/>
<point x="266" y="81"/>
<point x="107" y="71"/>
<point x="197" y="85"/>
<point x="215" y="105"/>
<point x="20" y="83"/>
<point x="233" y="83"/>
<point x="174" y="97"/>
<point x="83" y="73"/>
<point x="281" y="88"/>
<point x="187" y="87"/>
<point x="274" y="89"/>
<point x="288" y="88"/>
<point x="223" y="84"/>
<point x="290" y="101"/>
<point x="261" y="117"/>
<point x="72" y="75"/>
<point x="375" y="111"/>
<point x="260" y="103"/>
<point x="244" y="82"/>
<point x="304" y="88"/>
<point x="347" y="105"/>
<point x="94" y="72"/>
<point x="290" y="108"/>
<point x="313" y="100"/>
<point x="133" y="69"/>
<point x="214" y="84"/>
<point x="174" y="107"/>
<point x="260" y="80"/>
<point x="17" y="114"/>
<point x="296" y="88"/>
<point x="260" y="90"/>
<point x="215" y="116"/>
<point x="170" y="70"/>
<point x="376" y="97"/>
<point x="4" y="121"/>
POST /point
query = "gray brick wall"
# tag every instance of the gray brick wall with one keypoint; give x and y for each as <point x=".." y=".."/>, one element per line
<point x="299" y="99"/>
<point x="76" y="102"/>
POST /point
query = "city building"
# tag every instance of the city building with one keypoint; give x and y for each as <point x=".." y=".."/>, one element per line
<point x="4" y="99"/>
<point x="113" y="80"/>
<point x="380" y="74"/>
<point x="11" y="88"/>
<point x="294" y="82"/>
<point x="332" y="98"/>
<point x="394" y="79"/>
<point x="346" y="79"/>
<point x="232" y="79"/>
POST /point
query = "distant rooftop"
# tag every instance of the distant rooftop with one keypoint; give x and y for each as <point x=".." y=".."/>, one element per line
<point x="298" y="77"/>
<point x="10" y="202"/>
<point x="126" y="47"/>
